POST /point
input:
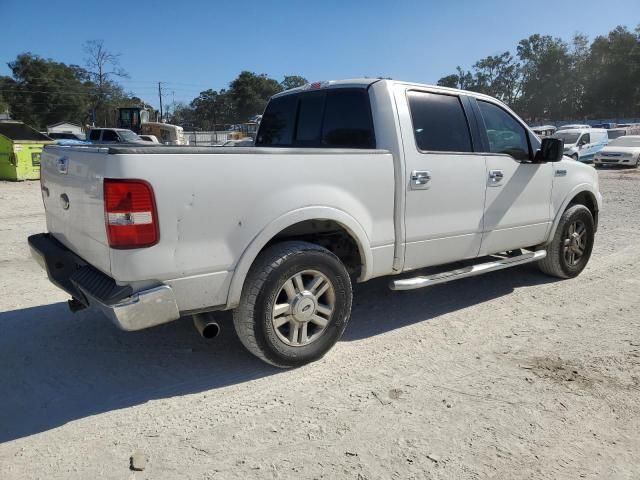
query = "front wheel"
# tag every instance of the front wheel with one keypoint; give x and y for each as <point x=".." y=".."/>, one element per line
<point x="295" y="304"/>
<point x="570" y="250"/>
<point x="575" y="157"/>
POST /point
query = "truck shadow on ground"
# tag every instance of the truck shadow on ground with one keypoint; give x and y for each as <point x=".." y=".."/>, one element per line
<point x="56" y="367"/>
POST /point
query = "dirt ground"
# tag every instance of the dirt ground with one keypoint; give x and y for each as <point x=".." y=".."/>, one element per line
<point x="509" y="376"/>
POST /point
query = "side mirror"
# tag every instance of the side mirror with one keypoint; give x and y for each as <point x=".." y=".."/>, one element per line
<point x="551" y="150"/>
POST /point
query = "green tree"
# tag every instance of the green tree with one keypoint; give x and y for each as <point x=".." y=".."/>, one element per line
<point x="613" y="82"/>
<point x="250" y="92"/>
<point x="293" y="81"/>
<point x="182" y="115"/>
<point x="498" y="76"/>
<point x="42" y="91"/>
<point x="212" y="108"/>
<point x="546" y="73"/>
<point x="460" y="79"/>
<point x="576" y="84"/>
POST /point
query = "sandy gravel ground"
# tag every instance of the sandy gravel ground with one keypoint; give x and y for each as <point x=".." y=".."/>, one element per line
<point x="510" y="376"/>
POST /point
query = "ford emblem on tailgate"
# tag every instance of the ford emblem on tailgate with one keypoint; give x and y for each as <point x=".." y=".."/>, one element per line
<point x="63" y="164"/>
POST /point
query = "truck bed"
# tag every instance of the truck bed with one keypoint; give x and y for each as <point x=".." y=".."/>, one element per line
<point x="212" y="202"/>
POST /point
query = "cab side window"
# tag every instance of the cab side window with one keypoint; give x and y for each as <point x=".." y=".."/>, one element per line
<point x="506" y="134"/>
<point x="585" y="139"/>
<point x="94" y="135"/>
<point x="109" y="136"/>
<point x="439" y="123"/>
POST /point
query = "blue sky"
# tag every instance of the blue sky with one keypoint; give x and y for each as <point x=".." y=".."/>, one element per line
<point x="197" y="44"/>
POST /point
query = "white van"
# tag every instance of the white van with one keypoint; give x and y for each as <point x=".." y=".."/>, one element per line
<point x="582" y="144"/>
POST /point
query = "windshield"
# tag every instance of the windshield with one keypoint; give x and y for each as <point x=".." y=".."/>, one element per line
<point x="569" y="138"/>
<point x="128" y="136"/>
<point x="625" y="142"/>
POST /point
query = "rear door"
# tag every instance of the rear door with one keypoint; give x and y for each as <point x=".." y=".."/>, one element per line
<point x="446" y="182"/>
<point x="518" y="202"/>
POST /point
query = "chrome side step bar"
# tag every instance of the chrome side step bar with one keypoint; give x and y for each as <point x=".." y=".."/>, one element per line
<point x="470" y="271"/>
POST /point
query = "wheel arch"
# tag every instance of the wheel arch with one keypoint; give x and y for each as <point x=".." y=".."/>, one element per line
<point x="580" y="195"/>
<point x="270" y="233"/>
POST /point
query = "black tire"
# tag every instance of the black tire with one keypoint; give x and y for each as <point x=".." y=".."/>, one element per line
<point x="276" y="265"/>
<point x="556" y="263"/>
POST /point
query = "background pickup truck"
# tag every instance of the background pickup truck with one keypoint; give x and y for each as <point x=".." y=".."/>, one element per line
<point x="349" y="180"/>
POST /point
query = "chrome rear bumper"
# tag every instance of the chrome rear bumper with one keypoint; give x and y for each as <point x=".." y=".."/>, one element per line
<point x="128" y="310"/>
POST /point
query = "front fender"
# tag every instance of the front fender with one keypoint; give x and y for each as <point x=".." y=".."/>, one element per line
<point x="578" y="189"/>
<point x="291" y="218"/>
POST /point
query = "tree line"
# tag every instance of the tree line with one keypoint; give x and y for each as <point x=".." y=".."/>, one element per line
<point x="549" y="79"/>
<point x="42" y="91"/>
<point x="544" y="79"/>
<point x="246" y="97"/>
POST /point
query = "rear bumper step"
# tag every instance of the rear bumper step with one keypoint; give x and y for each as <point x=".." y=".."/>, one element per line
<point x="470" y="271"/>
<point x="92" y="288"/>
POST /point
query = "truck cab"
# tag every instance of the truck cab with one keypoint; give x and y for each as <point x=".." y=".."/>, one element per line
<point x="113" y="135"/>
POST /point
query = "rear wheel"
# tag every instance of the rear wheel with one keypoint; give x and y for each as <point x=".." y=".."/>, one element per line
<point x="570" y="250"/>
<point x="295" y="304"/>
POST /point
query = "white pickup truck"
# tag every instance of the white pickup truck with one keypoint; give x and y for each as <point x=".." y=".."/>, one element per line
<point x="348" y="181"/>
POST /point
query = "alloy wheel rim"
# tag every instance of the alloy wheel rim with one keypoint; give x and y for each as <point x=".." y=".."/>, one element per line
<point x="303" y="308"/>
<point x="575" y="243"/>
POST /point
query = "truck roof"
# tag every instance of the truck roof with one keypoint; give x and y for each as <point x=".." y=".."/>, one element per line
<point x="367" y="82"/>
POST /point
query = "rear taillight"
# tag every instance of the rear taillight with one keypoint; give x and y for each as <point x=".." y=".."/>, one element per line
<point x="130" y="214"/>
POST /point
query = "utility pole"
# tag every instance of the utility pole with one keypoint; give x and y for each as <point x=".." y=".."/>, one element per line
<point x="160" y="95"/>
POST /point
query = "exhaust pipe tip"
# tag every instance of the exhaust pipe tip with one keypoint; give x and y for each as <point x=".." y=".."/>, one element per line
<point x="206" y="326"/>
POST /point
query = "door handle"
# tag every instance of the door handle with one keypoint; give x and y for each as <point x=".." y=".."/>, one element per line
<point x="496" y="175"/>
<point x="420" y="179"/>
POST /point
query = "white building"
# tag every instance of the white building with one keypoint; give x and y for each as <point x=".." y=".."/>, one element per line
<point x="65" y="127"/>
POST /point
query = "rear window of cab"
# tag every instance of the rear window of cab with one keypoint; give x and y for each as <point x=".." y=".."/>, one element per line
<point x="332" y="118"/>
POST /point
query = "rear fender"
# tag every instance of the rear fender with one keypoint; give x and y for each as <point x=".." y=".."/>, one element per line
<point x="300" y="215"/>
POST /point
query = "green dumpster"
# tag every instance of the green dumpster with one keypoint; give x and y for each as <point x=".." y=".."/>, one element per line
<point x="20" y="149"/>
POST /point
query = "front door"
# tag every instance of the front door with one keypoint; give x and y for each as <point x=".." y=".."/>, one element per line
<point x="445" y="184"/>
<point x="518" y="200"/>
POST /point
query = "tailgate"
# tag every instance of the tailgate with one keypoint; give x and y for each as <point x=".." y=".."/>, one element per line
<point x="72" y="179"/>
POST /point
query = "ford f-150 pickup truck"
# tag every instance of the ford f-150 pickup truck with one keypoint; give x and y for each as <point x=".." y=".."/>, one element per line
<point x="348" y="181"/>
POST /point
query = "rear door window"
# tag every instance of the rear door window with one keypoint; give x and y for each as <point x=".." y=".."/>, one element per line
<point x="439" y="122"/>
<point x="94" y="135"/>
<point x="333" y="118"/>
